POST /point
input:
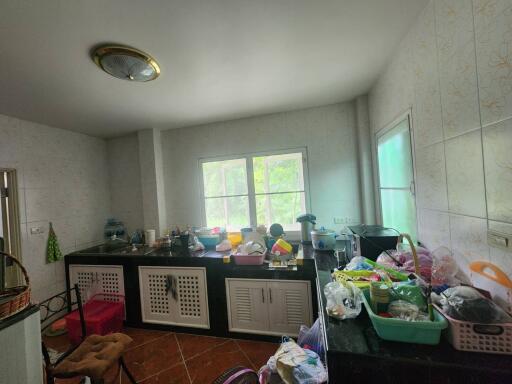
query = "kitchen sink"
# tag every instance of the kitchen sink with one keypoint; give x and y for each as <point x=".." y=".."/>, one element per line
<point x="116" y="249"/>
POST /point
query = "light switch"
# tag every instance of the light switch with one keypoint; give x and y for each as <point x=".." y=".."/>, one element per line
<point x="36" y="230"/>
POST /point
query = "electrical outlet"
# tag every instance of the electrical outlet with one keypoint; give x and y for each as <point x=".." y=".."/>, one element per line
<point x="499" y="240"/>
<point x="339" y="220"/>
<point x="36" y="230"/>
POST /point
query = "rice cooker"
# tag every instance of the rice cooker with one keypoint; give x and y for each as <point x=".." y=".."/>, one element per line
<point x="323" y="239"/>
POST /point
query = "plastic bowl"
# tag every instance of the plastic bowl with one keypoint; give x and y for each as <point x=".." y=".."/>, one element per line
<point x="209" y="241"/>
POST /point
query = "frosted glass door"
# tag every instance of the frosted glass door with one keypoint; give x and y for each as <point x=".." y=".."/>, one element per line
<point x="396" y="179"/>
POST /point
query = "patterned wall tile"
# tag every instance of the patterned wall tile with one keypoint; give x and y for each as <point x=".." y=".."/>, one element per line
<point x="498" y="256"/>
<point x="427" y="122"/>
<point x="431" y="178"/>
<point x="493" y="31"/>
<point x="465" y="175"/>
<point x="434" y="228"/>
<point x="459" y="91"/>
<point x="497" y="141"/>
<point x="469" y="240"/>
<point x="454" y="26"/>
<point x="486" y="11"/>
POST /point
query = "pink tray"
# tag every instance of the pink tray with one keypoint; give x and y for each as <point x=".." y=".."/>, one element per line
<point x="249" y="259"/>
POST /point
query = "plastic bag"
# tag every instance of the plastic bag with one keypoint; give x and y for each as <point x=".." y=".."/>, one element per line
<point x="310" y="371"/>
<point x="312" y="338"/>
<point x="358" y="264"/>
<point x="225" y="245"/>
<point x="411" y="292"/>
<point x="343" y="301"/>
<point x="401" y="259"/>
<point x="467" y="304"/>
<point x="404" y="310"/>
<point x="444" y="267"/>
<point x="296" y="365"/>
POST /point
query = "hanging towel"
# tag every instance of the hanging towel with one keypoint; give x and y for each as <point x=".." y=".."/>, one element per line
<point x="53" y="252"/>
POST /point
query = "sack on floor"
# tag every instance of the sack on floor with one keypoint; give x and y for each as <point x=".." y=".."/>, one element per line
<point x="298" y="366"/>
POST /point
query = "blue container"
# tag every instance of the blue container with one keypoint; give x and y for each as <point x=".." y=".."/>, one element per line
<point x="209" y="241"/>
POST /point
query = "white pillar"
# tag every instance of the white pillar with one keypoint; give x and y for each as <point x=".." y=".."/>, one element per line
<point x="152" y="180"/>
<point x="365" y="161"/>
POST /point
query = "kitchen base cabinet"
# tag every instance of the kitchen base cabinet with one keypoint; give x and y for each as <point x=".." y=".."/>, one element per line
<point x="101" y="278"/>
<point x="174" y="296"/>
<point x="272" y="307"/>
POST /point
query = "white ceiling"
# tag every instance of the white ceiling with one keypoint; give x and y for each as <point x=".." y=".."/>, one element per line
<point x="220" y="59"/>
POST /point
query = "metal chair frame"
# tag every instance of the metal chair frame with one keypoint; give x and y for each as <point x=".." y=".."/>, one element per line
<point x="55" y="308"/>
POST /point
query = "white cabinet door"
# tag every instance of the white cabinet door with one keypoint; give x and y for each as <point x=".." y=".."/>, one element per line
<point x="289" y="306"/>
<point x="247" y="305"/>
<point x="274" y="307"/>
<point x="174" y="296"/>
<point x="106" y="278"/>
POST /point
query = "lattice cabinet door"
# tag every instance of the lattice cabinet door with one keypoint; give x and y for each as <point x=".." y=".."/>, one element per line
<point x="289" y="304"/>
<point x="174" y="295"/>
<point x="105" y="279"/>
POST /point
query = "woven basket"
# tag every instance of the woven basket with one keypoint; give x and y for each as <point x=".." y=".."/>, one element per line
<point x="19" y="297"/>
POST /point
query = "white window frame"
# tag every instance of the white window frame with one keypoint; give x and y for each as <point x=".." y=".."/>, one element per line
<point x="251" y="192"/>
<point x="403" y="116"/>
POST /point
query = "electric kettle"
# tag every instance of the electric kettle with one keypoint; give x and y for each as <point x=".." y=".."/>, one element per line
<point x="307" y="224"/>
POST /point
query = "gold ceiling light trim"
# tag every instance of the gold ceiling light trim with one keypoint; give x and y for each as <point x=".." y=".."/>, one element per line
<point x="126" y="63"/>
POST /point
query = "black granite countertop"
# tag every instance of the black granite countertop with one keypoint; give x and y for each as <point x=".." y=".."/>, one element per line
<point x="357" y="338"/>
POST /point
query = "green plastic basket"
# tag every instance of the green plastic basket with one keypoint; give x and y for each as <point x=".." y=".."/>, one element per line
<point x="418" y="332"/>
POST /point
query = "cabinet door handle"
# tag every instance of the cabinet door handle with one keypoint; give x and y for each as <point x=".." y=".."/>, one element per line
<point x="270" y="294"/>
<point x="262" y="295"/>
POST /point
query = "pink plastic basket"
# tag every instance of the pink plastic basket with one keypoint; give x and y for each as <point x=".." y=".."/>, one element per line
<point x="103" y="314"/>
<point x="249" y="259"/>
<point x="473" y="337"/>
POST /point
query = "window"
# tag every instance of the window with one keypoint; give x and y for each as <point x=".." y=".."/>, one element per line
<point x="254" y="190"/>
<point x="396" y="177"/>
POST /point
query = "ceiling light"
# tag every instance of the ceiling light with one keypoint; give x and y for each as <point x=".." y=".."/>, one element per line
<point x="126" y="63"/>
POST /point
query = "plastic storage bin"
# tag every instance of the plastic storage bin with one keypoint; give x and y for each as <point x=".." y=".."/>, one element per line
<point x="102" y="316"/>
<point x="419" y="332"/>
<point x="473" y="337"/>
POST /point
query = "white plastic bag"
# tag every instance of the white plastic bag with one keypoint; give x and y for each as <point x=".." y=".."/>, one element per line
<point x="343" y="301"/>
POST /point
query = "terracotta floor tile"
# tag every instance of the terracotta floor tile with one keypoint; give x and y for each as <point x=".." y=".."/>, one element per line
<point x="142" y="336"/>
<point x="258" y="352"/>
<point x="59" y="343"/>
<point x="175" y="375"/>
<point x="73" y="380"/>
<point x="209" y="365"/>
<point x="192" y="345"/>
<point x="151" y="358"/>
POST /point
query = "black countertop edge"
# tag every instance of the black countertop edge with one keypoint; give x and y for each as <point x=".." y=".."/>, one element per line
<point x="356" y="338"/>
<point x="20" y="316"/>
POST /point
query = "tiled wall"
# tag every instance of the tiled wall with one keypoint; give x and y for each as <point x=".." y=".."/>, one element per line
<point x="328" y="132"/>
<point x="63" y="178"/>
<point x="125" y="181"/>
<point x="454" y="68"/>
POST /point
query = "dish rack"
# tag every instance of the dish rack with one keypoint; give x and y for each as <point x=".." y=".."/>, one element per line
<point x="474" y="337"/>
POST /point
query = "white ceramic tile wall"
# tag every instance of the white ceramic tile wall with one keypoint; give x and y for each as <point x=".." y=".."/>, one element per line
<point x="328" y="133"/>
<point x="125" y="181"/>
<point x="461" y="81"/>
<point x="62" y="178"/>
